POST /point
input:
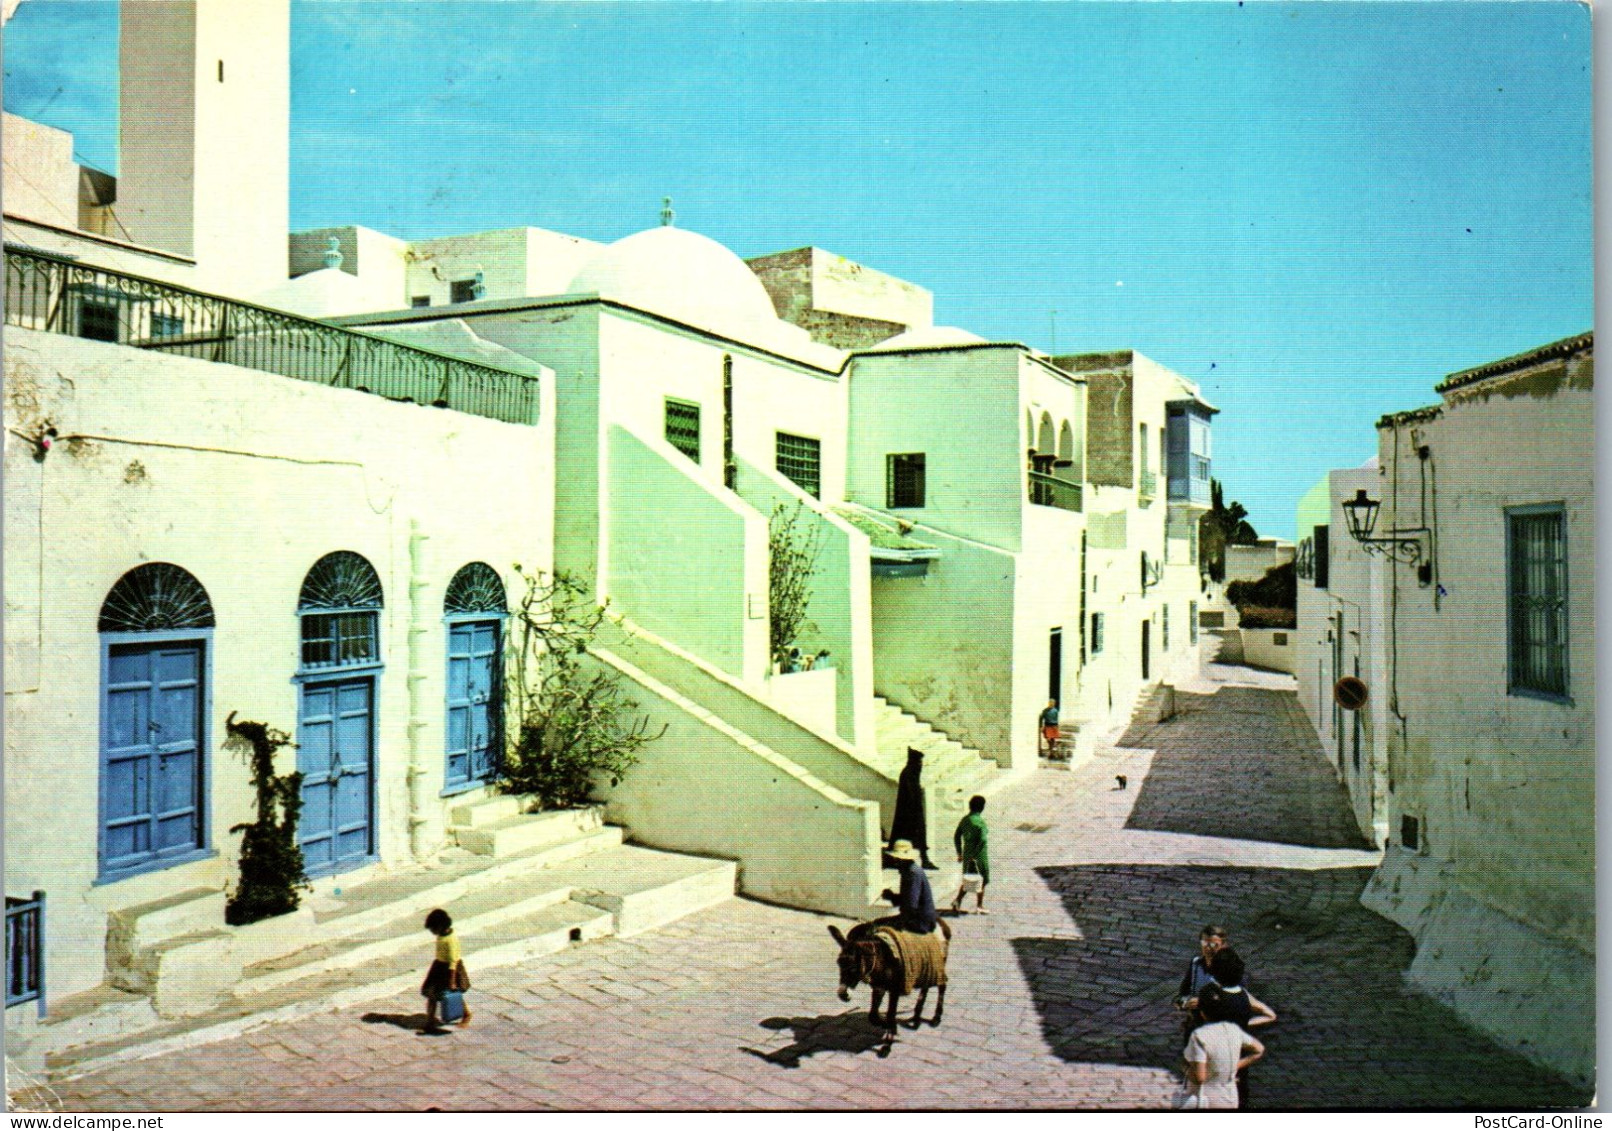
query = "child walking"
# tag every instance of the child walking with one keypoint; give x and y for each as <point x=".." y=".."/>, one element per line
<point x="447" y="973"/>
<point x="970" y="842"/>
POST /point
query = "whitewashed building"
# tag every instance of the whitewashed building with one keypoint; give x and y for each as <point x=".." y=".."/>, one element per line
<point x="296" y="477"/>
<point x="1474" y="627"/>
<point x="1340" y="635"/>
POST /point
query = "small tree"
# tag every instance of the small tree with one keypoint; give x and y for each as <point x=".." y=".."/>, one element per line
<point x="271" y="864"/>
<point x="792" y="549"/>
<point x="1222" y="526"/>
<point x="569" y="724"/>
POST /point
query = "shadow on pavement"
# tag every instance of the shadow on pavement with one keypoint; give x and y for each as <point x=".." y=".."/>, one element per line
<point x="1350" y="1032"/>
<point x="830" y="1032"/>
<point x="1241" y="763"/>
<point x="413" y="1022"/>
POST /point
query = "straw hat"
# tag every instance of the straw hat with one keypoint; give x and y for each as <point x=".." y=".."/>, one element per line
<point x="902" y="850"/>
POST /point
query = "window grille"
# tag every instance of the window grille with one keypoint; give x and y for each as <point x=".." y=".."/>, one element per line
<point x="1164" y="628"/>
<point x="155" y="597"/>
<point x="420" y="300"/>
<point x="800" y="460"/>
<point x="476" y="588"/>
<point x="340" y="626"/>
<point x="167" y="325"/>
<point x="1537" y="580"/>
<point x="683" y="427"/>
<point x="904" y="480"/>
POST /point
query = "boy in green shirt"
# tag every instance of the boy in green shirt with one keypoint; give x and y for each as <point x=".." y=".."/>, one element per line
<point x="970" y="842"/>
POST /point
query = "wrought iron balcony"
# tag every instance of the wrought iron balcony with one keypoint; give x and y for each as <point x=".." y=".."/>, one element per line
<point x="1050" y="491"/>
<point x="47" y="292"/>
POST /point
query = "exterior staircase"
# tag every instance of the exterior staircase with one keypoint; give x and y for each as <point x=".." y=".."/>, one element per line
<point x="952" y="772"/>
<point x="518" y="885"/>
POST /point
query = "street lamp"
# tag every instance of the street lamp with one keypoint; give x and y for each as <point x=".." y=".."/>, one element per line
<point x="1412" y="545"/>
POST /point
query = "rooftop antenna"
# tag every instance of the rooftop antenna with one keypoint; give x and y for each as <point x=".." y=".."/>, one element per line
<point x="666" y="213"/>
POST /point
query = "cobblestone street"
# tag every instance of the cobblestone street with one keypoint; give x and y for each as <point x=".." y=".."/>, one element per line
<point x="1059" y="998"/>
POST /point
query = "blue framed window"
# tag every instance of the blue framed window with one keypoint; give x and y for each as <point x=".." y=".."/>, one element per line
<point x="1536" y="601"/>
<point x="156" y="628"/>
<point x="474" y="608"/>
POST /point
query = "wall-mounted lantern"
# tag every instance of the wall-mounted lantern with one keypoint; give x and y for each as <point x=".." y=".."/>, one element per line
<point x="1412" y="544"/>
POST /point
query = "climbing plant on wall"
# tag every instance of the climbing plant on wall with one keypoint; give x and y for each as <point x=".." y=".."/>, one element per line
<point x="571" y="720"/>
<point x="792" y="549"/>
<point x="272" y="877"/>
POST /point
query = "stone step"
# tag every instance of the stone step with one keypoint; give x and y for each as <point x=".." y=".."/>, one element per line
<point x="133" y="929"/>
<point x="540" y="904"/>
<point x="368" y="906"/>
<point x="473" y="916"/>
<point x="509" y="835"/>
<point x="644" y="888"/>
<point x="545" y="932"/>
<point x="185" y="975"/>
<point x="487" y="810"/>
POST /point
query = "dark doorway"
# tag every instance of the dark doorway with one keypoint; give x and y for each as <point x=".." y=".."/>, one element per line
<point x="1147" y="666"/>
<point x="1055" y="666"/>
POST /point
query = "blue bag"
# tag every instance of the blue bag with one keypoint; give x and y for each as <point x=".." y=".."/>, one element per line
<point x="453" y="1006"/>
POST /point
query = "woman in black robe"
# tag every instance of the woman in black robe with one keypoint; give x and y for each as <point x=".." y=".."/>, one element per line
<point x="908" y="822"/>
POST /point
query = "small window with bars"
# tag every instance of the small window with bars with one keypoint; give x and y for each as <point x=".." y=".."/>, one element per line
<point x="904" y="480"/>
<point x="462" y="290"/>
<point x="420" y="300"/>
<point x="800" y="460"/>
<point x="98" y="321"/>
<point x="332" y="640"/>
<point x="683" y="427"/>
<point x="1536" y="582"/>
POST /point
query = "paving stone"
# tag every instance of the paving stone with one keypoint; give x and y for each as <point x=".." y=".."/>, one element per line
<point x="1059" y="998"/>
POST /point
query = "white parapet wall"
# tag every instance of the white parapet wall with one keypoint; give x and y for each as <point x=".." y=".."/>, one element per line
<point x="1270" y="648"/>
<point x="685" y="559"/>
<point x="703" y="786"/>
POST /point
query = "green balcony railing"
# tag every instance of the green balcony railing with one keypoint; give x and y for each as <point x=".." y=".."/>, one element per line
<point x="1050" y="491"/>
<point x="57" y="295"/>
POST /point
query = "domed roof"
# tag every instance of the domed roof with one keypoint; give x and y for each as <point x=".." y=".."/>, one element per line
<point x="928" y="337"/>
<point x="679" y="274"/>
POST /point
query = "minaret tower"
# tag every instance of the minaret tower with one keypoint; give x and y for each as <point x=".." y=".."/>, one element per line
<point x="204" y="145"/>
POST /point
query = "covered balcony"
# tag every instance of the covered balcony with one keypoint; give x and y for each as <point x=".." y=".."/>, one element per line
<point x="1188" y="452"/>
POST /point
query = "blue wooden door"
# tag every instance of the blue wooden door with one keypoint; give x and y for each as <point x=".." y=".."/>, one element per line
<point x="473" y="712"/>
<point x="151" y="755"/>
<point x="335" y="754"/>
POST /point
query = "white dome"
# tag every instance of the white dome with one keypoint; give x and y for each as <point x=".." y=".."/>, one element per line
<point x="679" y="274"/>
<point x="923" y="337"/>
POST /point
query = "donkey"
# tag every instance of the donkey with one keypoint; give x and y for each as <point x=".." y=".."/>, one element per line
<point x="867" y="957"/>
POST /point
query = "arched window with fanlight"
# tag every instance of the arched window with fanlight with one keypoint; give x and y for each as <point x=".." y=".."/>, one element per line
<point x="340" y="611"/>
<point x="474" y="609"/>
<point x="156" y="628"/>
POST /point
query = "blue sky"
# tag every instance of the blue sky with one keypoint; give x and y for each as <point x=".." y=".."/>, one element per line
<point x="1316" y="210"/>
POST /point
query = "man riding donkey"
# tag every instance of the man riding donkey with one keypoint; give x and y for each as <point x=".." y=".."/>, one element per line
<point x="899" y="953"/>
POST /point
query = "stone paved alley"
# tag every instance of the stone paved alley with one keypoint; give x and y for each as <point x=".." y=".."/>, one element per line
<point x="1059" y="998"/>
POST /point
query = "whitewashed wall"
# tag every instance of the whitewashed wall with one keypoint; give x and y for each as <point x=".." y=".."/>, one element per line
<point x="245" y="480"/>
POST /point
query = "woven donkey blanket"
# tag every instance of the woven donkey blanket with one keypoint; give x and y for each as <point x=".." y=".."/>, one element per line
<point x="922" y="957"/>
